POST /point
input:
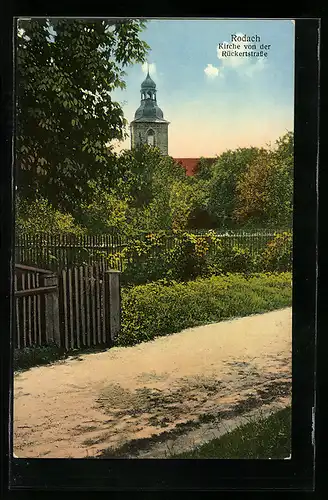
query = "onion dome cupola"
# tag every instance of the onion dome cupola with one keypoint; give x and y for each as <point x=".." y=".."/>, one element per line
<point x="149" y="126"/>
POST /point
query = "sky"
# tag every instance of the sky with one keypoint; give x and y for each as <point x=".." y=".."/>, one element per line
<point x="215" y="101"/>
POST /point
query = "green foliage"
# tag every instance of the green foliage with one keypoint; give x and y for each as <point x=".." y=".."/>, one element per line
<point x="166" y="307"/>
<point x="185" y="261"/>
<point x="145" y="259"/>
<point x="105" y="213"/>
<point x="251" y="189"/>
<point x="278" y="254"/>
<point x="182" y="200"/>
<point x="147" y="181"/>
<point x="144" y="171"/>
<point x="248" y="186"/>
<point x="66" y="118"/>
<point x="252" y="186"/>
<point x="222" y="186"/>
<point x="204" y="169"/>
<point x="279" y="207"/>
<point x="37" y="216"/>
<point x="183" y="256"/>
<point x="261" y="438"/>
<point x="233" y="259"/>
<point x="178" y="255"/>
<point x="264" y="192"/>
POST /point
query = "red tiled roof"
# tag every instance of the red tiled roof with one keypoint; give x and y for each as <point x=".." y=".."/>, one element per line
<point x="190" y="164"/>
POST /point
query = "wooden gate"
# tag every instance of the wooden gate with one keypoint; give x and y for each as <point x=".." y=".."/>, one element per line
<point x="36" y="307"/>
<point x="89" y="306"/>
<point x="78" y="307"/>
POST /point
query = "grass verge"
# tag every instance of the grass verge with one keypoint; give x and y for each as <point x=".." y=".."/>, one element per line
<point x="262" y="438"/>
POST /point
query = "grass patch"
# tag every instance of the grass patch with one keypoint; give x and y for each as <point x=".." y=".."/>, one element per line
<point x="259" y="439"/>
<point x="163" y="308"/>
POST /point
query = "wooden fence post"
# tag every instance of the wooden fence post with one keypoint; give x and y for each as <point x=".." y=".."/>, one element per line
<point x="52" y="310"/>
<point x="113" y="302"/>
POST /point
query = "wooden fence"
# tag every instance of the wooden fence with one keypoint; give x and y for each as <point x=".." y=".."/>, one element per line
<point x="74" y="308"/>
<point x="36" y="306"/>
<point x="89" y="299"/>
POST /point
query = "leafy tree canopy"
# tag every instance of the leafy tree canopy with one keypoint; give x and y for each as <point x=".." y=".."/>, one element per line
<point x="264" y="193"/>
<point x="142" y="195"/>
<point x="222" y="186"/>
<point x="36" y="216"/>
<point x="66" y="71"/>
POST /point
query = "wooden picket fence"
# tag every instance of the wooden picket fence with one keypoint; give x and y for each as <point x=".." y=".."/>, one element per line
<point x="74" y="308"/>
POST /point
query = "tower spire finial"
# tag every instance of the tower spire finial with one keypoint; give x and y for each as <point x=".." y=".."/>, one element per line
<point x="147" y="68"/>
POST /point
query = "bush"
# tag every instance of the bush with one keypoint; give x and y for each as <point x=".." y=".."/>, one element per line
<point x="144" y="259"/>
<point x="278" y="254"/>
<point x="167" y="307"/>
<point x="186" y="260"/>
<point x="235" y="259"/>
<point x="184" y="256"/>
<point x="151" y="259"/>
<point x="146" y="270"/>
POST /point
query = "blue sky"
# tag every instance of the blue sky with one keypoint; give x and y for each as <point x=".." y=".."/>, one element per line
<point x="214" y="102"/>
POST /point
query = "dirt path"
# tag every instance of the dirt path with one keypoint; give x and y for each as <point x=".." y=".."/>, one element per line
<point x="126" y="399"/>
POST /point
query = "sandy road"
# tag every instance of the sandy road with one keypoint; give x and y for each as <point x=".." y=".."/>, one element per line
<point x="81" y="407"/>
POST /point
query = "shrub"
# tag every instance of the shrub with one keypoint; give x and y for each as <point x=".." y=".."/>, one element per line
<point x="146" y="270"/>
<point x="179" y="256"/>
<point x="235" y="259"/>
<point x="145" y="259"/>
<point x="184" y="256"/>
<point x="186" y="260"/>
<point x="277" y="255"/>
<point x="166" y="307"/>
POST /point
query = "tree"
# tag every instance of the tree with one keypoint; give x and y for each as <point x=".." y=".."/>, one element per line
<point x="265" y="190"/>
<point x="38" y="216"/>
<point x="107" y="211"/>
<point x="281" y="185"/>
<point x="141" y="196"/>
<point x="183" y="199"/>
<point x="66" y="70"/>
<point x="204" y="169"/>
<point x="227" y="171"/>
<point x="252" y="190"/>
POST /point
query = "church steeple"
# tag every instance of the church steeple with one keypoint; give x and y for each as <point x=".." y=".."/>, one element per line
<point x="149" y="125"/>
<point x="148" y="88"/>
<point x="148" y="108"/>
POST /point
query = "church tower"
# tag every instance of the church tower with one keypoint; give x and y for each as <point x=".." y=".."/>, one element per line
<point x="149" y="126"/>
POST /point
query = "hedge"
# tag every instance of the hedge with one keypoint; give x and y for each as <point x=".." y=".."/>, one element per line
<point x="193" y="256"/>
<point x="166" y="307"/>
